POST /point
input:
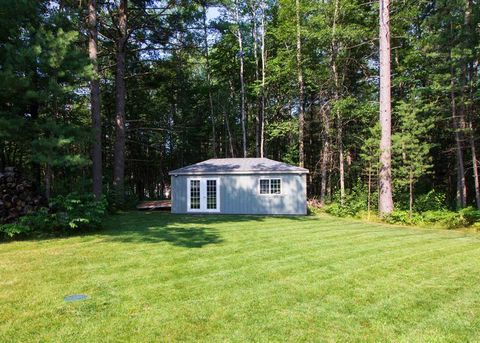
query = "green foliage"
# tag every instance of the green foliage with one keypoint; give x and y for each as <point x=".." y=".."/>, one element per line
<point x="353" y="204"/>
<point x="183" y="91"/>
<point x="430" y="210"/>
<point x="470" y="215"/>
<point x="41" y="221"/>
<point x="66" y="214"/>
<point x="399" y="217"/>
<point x="77" y="212"/>
<point x="441" y="218"/>
<point x="444" y="218"/>
<point x="410" y="144"/>
<point x="431" y="201"/>
<point x="284" y="133"/>
<point x="436" y="218"/>
<point x="370" y="152"/>
<point x="11" y="230"/>
<point x="55" y="144"/>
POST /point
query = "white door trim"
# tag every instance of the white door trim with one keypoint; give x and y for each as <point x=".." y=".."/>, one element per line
<point x="217" y="195"/>
<point x="189" y="188"/>
<point x="203" y="194"/>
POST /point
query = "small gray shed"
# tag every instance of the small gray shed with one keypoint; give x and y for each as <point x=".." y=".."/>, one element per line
<point x="240" y="186"/>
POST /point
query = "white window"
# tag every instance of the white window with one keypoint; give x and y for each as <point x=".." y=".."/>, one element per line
<point x="270" y="186"/>
<point x="275" y="186"/>
<point x="265" y="186"/>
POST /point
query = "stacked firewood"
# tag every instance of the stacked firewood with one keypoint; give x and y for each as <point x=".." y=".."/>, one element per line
<point x="17" y="196"/>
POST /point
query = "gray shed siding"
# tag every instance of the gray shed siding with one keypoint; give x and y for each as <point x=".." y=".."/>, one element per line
<point x="239" y="194"/>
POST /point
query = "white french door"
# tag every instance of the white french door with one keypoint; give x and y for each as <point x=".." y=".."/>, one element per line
<point x="203" y="195"/>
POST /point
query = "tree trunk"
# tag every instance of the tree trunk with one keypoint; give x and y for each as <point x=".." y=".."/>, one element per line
<point x="341" y="166"/>
<point x="325" y="156"/>
<point x="476" y="177"/>
<point x="229" y="133"/>
<point x="48" y="180"/>
<point x="34" y="109"/>
<point x="410" y="192"/>
<point x="264" y="60"/>
<point x="385" y="202"/>
<point x="209" y="81"/>
<point x="461" y="184"/>
<point x="120" y="95"/>
<point x="95" y="101"/>
<point x="258" y="108"/>
<point x="301" y="89"/>
<point x="369" y="196"/>
<point x="140" y="190"/>
<point x="330" y="178"/>
<point x="242" y="82"/>
<point x="472" y="66"/>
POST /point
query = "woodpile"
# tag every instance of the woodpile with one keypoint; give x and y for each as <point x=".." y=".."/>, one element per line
<point x="17" y="196"/>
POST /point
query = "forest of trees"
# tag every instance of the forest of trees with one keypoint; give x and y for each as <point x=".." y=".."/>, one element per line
<point x="108" y="96"/>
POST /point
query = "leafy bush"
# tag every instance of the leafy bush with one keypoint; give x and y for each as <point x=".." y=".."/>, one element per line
<point x="354" y="202"/>
<point x="429" y="210"/>
<point x="400" y="217"/>
<point x="470" y="215"/>
<point x="445" y="218"/>
<point x="442" y="218"/>
<point x="74" y="212"/>
<point x="13" y="230"/>
<point x="79" y="212"/>
<point x="340" y="210"/>
<point x="313" y="206"/>
<point x="40" y="221"/>
<point x="432" y="201"/>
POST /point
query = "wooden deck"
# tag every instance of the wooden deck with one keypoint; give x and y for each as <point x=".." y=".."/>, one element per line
<point x="163" y="205"/>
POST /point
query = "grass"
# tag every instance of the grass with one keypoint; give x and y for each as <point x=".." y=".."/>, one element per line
<point x="161" y="277"/>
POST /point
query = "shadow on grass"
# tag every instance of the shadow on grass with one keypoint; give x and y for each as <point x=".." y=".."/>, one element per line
<point x="189" y="231"/>
<point x="179" y="236"/>
<point x="183" y="230"/>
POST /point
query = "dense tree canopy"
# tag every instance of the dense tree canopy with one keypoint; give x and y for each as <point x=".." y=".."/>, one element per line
<point x="293" y="80"/>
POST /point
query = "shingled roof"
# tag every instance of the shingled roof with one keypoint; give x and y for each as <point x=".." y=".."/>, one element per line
<point x="239" y="166"/>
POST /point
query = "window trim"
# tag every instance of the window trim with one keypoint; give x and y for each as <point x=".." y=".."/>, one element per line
<point x="260" y="186"/>
<point x="270" y="186"/>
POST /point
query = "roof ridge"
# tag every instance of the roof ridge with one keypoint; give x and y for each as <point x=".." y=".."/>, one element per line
<point x="248" y="165"/>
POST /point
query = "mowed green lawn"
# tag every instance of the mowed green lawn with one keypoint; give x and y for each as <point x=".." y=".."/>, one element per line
<point x="161" y="277"/>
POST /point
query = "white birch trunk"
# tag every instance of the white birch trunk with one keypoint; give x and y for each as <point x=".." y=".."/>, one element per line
<point x="301" y="88"/>
<point x="242" y="82"/>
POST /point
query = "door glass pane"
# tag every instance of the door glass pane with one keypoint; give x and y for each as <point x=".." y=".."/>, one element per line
<point x="211" y="194"/>
<point x="275" y="186"/>
<point x="195" y="194"/>
<point x="264" y="187"/>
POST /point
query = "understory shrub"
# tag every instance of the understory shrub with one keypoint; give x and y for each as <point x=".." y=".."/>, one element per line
<point x="402" y="217"/>
<point x="314" y="206"/>
<point x="78" y="212"/>
<point x="431" y="201"/>
<point x="441" y="218"/>
<point x="354" y="202"/>
<point x="14" y="230"/>
<point x="71" y="213"/>
<point x="429" y="210"/>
